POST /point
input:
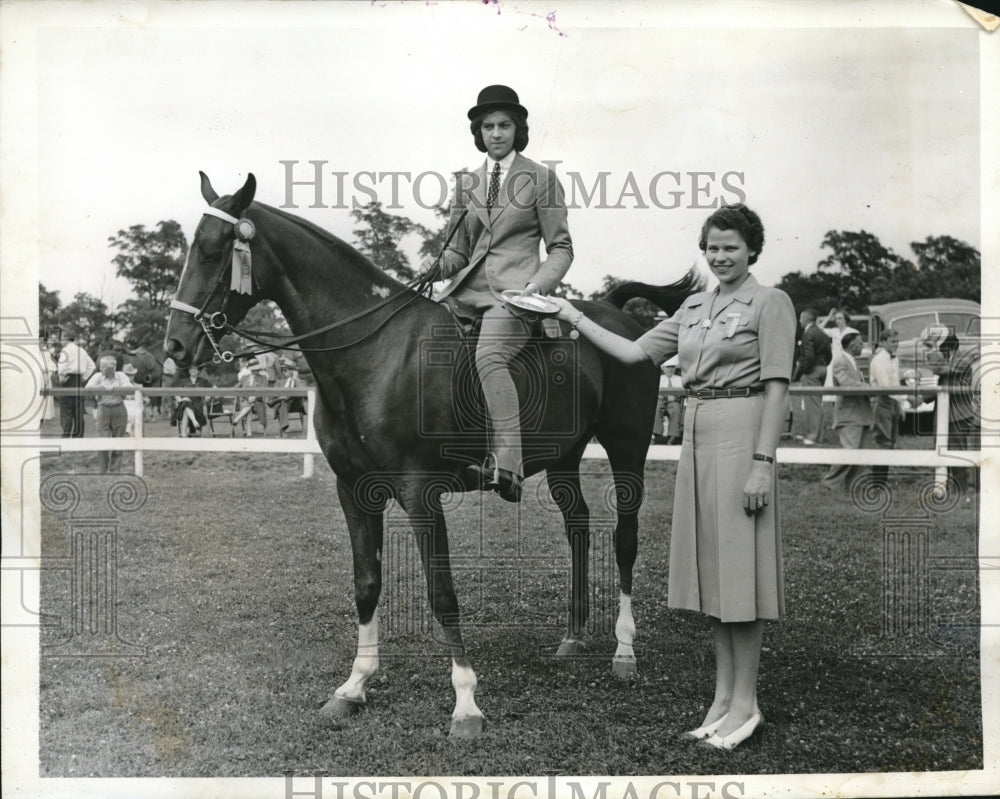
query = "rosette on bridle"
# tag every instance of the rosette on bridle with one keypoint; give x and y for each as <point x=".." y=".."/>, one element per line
<point x="241" y="280"/>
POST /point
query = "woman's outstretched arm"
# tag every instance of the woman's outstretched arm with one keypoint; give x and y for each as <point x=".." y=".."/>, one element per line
<point x="616" y="346"/>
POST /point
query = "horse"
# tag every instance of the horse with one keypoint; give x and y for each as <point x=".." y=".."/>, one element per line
<point x="393" y="420"/>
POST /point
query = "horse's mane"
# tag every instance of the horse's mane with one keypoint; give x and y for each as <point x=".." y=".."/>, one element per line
<point x="327" y="238"/>
<point x="667" y="297"/>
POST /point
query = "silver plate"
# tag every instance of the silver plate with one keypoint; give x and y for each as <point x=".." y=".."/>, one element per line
<point x="530" y="303"/>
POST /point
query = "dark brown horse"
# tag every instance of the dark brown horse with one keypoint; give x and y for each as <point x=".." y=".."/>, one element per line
<point x="396" y="417"/>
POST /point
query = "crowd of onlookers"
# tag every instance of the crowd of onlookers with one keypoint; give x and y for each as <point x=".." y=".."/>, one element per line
<point x="68" y="365"/>
<point x="827" y="353"/>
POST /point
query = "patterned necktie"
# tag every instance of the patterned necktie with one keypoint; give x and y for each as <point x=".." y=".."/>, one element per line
<point x="491" y="197"/>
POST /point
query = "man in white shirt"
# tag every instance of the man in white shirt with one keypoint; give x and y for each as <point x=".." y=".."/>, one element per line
<point x="112" y="417"/>
<point x="883" y="372"/>
<point x="73" y="368"/>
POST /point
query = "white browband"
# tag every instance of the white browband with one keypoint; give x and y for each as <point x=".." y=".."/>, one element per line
<point x="232" y="220"/>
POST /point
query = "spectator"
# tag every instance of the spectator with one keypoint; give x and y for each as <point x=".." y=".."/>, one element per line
<point x="250" y="375"/>
<point x="810" y="370"/>
<point x="883" y="372"/>
<point x="669" y="406"/>
<point x="852" y="414"/>
<point x="112" y="417"/>
<point x="48" y="351"/>
<point x="841" y="327"/>
<point x="961" y="376"/>
<point x="168" y="380"/>
<point x="74" y="367"/>
<point x="189" y="415"/>
<point x="285" y="405"/>
<point x="133" y="409"/>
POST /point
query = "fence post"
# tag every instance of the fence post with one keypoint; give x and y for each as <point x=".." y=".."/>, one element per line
<point x="307" y="459"/>
<point x="941" y="411"/>
<point x="137" y="432"/>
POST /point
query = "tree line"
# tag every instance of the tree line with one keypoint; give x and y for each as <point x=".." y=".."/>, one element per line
<point x="857" y="271"/>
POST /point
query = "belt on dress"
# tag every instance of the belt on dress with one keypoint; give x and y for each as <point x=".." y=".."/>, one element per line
<point x="726" y="393"/>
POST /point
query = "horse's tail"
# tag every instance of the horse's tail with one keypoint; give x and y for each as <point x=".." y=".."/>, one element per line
<point x="668" y="297"/>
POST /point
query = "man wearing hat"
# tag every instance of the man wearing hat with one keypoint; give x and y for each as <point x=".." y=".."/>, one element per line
<point x="252" y="374"/>
<point x="285" y="405"/>
<point x="112" y="417"/>
<point x="511" y="205"/>
<point x="669" y="406"/>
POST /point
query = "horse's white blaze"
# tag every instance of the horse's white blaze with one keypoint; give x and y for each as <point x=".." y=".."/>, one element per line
<point x="625" y="628"/>
<point x="463" y="678"/>
<point x="365" y="662"/>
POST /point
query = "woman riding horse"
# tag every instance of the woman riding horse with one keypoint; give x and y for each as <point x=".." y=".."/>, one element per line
<point x="503" y="211"/>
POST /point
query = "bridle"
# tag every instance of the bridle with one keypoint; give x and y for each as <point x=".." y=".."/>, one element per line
<point x="217" y="321"/>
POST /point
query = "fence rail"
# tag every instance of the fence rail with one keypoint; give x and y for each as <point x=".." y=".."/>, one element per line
<point x="939" y="458"/>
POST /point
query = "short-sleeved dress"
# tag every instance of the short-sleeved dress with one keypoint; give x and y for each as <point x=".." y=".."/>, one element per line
<point x="733" y="342"/>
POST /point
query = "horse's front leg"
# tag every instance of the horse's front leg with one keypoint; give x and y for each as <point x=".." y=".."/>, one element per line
<point x="428" y="522"/>
<point x="365" y="524"/>
<point x="567" y="493"/>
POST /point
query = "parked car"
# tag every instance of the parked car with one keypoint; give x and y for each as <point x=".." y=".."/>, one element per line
<point x="922" y="325"/>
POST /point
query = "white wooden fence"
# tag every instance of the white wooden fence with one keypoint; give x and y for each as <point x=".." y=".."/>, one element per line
<point x="939" y="458"/>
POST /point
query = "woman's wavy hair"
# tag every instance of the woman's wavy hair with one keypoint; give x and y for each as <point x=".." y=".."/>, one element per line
<point x="741" y="219"/>
<point x="520" y="128"/>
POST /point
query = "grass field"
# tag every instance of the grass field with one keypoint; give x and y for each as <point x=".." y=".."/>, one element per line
<point x="236" y="618"/>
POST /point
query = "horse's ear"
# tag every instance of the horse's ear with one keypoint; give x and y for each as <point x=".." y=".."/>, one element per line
<point x="244" y="196"/>
<point x="206" y="189"/>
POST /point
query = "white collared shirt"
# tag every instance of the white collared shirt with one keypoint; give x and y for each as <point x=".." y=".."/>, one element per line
<point x="504" y="162"/>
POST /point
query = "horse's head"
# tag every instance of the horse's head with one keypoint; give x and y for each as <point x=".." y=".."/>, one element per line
<point x="209" y="294"/>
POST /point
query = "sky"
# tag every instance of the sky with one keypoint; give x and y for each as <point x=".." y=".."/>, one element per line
<point x="674" y="107"/>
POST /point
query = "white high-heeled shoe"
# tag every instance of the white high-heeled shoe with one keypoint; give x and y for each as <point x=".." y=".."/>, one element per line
<point x="707" y="731"/>
<point x="735" y="738"/>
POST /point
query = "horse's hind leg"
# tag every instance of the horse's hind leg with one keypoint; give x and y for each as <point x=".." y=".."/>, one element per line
<point x="564" y="485"/>
<point x="629" y="477"/>
<point x="364" y="521"/>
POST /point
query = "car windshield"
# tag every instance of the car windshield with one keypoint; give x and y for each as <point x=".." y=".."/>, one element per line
<point x="912" y="326"/>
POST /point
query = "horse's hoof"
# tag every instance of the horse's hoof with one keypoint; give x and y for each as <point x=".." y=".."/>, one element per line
<point x="624" y="668"/>
<point x="339" y="707"/>
<point x="570" y="647"/>
<point x="469" y="727"/>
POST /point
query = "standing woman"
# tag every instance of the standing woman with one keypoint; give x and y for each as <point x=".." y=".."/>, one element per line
<point x="841" y="327"/>
<point x="735" y="345"/>
<point x="510" y="204"/>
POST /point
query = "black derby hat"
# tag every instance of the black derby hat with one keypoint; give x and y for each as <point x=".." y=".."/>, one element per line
<point x="496" y="98"/>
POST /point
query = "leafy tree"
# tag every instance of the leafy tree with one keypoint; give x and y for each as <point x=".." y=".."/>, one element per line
<point x="143" y="320"/>
<point x="433" y="240"/>
<point x="379" y="236"/>
<point x="866" y="269"/>
<point x="820" y="290"/>
<point x="152" y="261"/>
<point x="49" y="306"/>
<point x="89" y="317"/>
<point x="947" y="267"/>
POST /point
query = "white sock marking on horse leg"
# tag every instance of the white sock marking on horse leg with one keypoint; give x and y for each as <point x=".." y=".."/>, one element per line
<point x="365" y="662"/>
<point x="625" y="628"/>
<point x="463" y="678"/>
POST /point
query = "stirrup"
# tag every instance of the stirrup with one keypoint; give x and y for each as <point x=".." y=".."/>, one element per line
<point x="505" y="482"/>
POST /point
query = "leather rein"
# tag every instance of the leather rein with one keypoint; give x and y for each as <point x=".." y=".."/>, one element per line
<point x="217" y="323"/>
